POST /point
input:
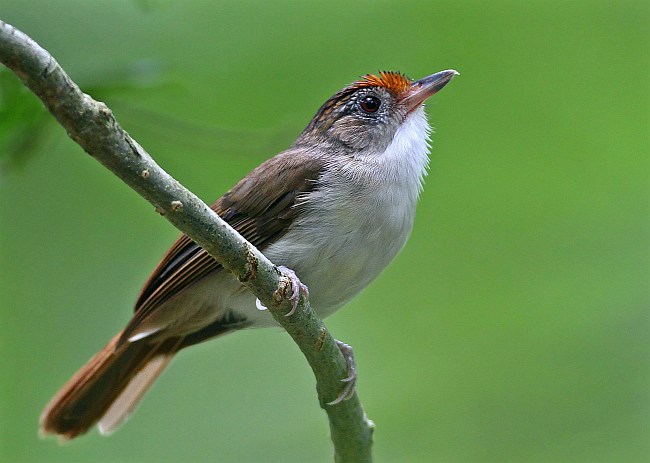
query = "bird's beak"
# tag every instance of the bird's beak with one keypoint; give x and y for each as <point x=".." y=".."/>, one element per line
<point x="424" y="88"/>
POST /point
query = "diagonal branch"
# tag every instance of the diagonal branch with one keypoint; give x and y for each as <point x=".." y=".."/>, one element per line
<point x="91" y="124"/>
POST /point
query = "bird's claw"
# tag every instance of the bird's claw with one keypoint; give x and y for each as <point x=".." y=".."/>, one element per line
<point x="296" y="287"/>
<point x="351" y="381"/>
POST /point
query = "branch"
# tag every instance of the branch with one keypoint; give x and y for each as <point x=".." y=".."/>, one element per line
<point x="92" y="125"/>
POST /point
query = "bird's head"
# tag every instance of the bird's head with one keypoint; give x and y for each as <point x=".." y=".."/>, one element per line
<point x="368" y="113"/>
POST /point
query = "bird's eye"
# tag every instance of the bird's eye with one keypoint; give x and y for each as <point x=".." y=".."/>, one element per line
<point x="370" y="104"/>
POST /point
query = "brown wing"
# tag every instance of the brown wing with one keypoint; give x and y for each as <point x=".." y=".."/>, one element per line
<point x="261" y="207"/>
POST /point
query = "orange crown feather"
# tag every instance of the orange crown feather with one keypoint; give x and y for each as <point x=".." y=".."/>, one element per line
<point x="395" y="82"/>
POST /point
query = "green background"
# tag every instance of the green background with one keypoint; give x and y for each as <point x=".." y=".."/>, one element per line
<point x="515" y="325"/>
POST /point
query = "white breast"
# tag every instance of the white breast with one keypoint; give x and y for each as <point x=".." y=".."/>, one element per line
<point x="353" y="229"/>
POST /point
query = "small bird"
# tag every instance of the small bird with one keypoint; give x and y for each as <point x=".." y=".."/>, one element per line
<point x="336" y="207"/>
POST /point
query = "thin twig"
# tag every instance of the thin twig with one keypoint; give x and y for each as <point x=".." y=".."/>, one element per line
<point x="92" y="125"/>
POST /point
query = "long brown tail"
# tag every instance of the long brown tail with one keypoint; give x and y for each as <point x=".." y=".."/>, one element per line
<point x="108" y="388"/>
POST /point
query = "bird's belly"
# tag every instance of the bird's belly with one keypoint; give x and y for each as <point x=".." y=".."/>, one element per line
<point x="337" y="262"/>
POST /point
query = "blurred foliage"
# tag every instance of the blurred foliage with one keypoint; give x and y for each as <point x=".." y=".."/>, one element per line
<point x="24" y="122"/>
<point x="514" y="326"/>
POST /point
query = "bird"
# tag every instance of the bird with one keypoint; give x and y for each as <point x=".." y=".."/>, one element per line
<point x="334" y="208"/>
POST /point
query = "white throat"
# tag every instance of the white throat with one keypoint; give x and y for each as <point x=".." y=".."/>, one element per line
<point x="403" y="164"/>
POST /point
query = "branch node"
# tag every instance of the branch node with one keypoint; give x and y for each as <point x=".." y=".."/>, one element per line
<point x="145" y="174"/>
<point x="250" y="266"/>
<point x="321" y="338"/>
<point x="103" y="110"/>
<point x="49" y="68"/>
<point x="283" y="292"/>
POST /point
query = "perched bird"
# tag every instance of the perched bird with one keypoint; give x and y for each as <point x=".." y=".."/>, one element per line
<point x="336" y="208"/>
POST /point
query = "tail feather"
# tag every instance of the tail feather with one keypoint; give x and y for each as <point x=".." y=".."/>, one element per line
<point x="108" y="388"/>
<point x="127" y="401"/>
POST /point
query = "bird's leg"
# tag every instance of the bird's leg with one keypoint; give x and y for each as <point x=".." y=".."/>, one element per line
<point x="351" y="380"/>
<point x="296" y="287"/>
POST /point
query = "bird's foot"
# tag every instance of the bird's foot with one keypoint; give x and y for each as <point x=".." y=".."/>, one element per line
<point x="351" y="380"/>
<point x="296" y="287"/>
